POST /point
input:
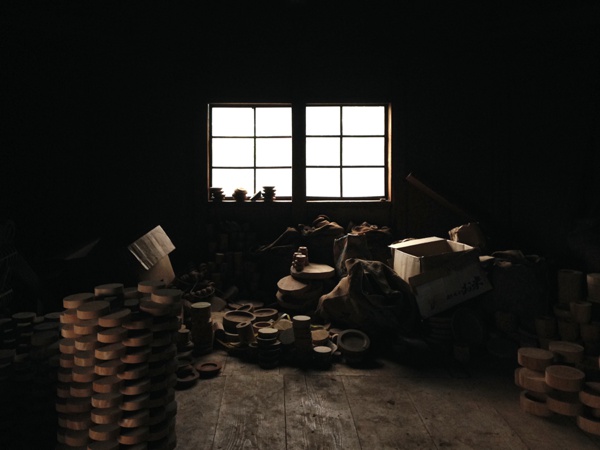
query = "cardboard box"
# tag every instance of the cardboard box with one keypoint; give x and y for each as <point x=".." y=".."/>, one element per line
<point x="441" y="273"/>
<point x="152" y="251"/>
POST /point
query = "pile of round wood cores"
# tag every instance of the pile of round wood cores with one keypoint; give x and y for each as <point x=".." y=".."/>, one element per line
<point x="552" y="383"/>
<point x="118" y="367"/>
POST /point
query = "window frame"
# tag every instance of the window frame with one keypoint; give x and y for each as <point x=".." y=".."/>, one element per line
<point x="298" y="165"/>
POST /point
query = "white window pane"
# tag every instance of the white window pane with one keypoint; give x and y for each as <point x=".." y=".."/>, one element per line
<point x="363" y="120"/>
<point x="232" y="122"/>
<point x="323" y="151"/>
<point x="274" y="121"/>
<point x="322" y="182"/>
<point x="323" y="120"/>
<point x="280" y="178"/>
<point x="274" y="152"/>
<point x="231" y="179"/>
<point x="363" y="152"/>
<point x="232" y="152"/>
<point x="364" y="182"/>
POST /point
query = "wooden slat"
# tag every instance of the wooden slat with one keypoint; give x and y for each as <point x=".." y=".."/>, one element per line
<point x="252" y="412"/>
<point x="384" y="415"/>
<point x="318" y="414"/>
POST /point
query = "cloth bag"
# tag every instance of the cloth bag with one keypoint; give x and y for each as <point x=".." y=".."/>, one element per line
<point x="371" y="298"/>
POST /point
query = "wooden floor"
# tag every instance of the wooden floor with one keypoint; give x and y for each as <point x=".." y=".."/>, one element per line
<point x="420" y="400"/>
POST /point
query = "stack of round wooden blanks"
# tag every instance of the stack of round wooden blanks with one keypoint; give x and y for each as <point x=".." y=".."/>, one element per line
<point x="301" y="324"/>
<point x="202" y="335"/>
<point x="566" y="382"/>
<point x="113" y="293"/>
<point x="530" y="377"/>
<point x="298" y="295"/>
<point x="162" y="369"/>
<point x="269" y="348"/>
<point x="589" y="419"/>
<point x="76" y="371"/>
<point x="147" y="287"/>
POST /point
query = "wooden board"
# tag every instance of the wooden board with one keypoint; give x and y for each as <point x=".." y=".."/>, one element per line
<point x="248" y="420"/>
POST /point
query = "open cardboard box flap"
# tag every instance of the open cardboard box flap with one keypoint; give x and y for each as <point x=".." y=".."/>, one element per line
<point x="152" y="252"/>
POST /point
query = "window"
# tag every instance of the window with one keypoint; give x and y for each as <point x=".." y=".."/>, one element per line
<point x="345" y="150"/>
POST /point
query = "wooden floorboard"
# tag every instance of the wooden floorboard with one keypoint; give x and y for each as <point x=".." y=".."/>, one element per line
<point x="384" y="414"/>
<point x="318" y="415"/>
<point x="422" y="403"/>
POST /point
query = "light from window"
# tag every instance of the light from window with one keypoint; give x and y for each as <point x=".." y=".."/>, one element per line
<point x="251" y="147"/>
<point x="345" y="151"/>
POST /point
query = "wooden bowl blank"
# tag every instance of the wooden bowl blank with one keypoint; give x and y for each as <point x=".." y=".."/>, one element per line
<point x="589" y="424"/>
<point x="533" y="405"/>
<point x="566" y="352"/>
<point x="590" y="394"/>
<point x="564" y="403"/>
<point x="564" y="378"/>
<point x="534" y="358"/>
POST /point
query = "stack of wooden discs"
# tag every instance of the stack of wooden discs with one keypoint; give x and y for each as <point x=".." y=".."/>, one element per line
<point x="301" y="324"/>
<point x="566" y="382"/>
<point x="297" y="295"/>
<point x="202" y="334"/>
<point x="530" y="376"/>
<point x="589" y="418"/>
<point x="117" y="369"/>
<point x="269" y="348"/>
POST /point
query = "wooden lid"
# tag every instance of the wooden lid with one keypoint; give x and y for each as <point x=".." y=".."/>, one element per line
<point x="67" y="345"/>
<point x="86" y="326"/>
<point x="93" y="309"/>
<point x="590" y="394"/>
<point x="67" y="331"/>
<point x="564" y="378"/>
<point x="136" y="418"/>
<point x="108" y="367"/>
<point x="154" y="308"/>
<point x="111" y="335"/>
<point x="135" y="402"/>
<point x="84" y="358"/>
<point x="74" y="301"/>
<point x="291" y="285"/>
<point x="166" y="296"/>
<point x="135" y="355"/>
<point x="138" y="339"/>
<point x="114" y="319"/>
<point x="589" y="424"/>
<point x="533" y="405"/>
<point x="87" y="342"/>
<point x="132" y="436"/>
<point x="149" y="286"/>
<point x="532" y="380"/>
<point x="134" y="371"/>
<point x="106" y="399"/>
<point x="564" y="403"/>
<point x="81" y="390"/>
<point x="135" y="387"/>
<point x="535" y="358"/>
<point x="110" y="351"/>
<point x="69" y="316"/>
<point x="102" y="416"/>
<point x="104" y="433"/>
<point x="106" y="384"/>
<point x="109" y="289"/>
<point x="83" y="374"/>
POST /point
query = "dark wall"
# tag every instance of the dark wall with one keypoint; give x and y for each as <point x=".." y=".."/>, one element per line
<point x="104" y="112"/>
